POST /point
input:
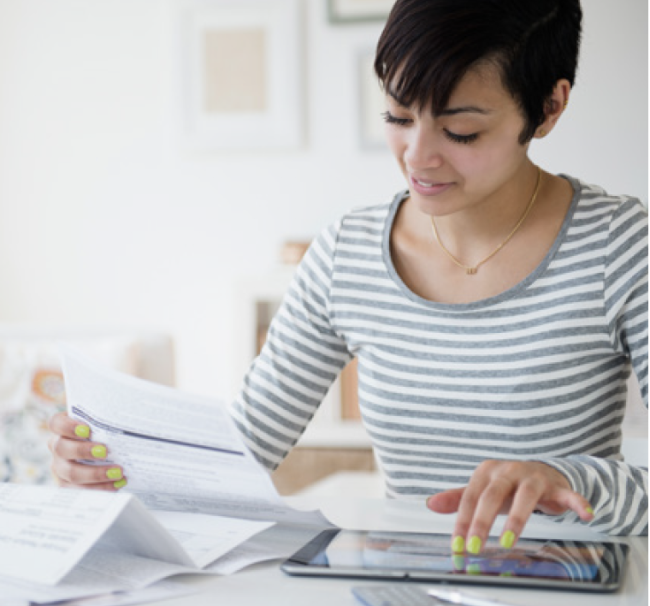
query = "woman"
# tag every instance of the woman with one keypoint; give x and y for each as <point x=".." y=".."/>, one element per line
<point x="495" y="309"/>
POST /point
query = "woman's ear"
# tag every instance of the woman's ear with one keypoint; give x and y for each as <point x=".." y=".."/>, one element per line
<point x="555" y="106"/>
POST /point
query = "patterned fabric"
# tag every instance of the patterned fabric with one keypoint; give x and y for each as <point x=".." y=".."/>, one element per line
<point x="536" y="373"/>
<point x="32" y="390"/>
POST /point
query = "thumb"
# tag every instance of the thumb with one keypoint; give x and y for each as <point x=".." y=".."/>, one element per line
<point x="446" y="502"/>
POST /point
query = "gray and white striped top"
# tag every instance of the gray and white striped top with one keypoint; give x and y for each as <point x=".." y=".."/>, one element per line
<point x="535" y="373"/>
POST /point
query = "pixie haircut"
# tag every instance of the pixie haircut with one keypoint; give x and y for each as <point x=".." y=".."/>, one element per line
<point x="427" y="46"/>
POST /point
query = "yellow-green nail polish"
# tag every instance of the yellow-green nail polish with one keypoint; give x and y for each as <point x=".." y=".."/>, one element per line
<point x="474" y="569"/>
<point x="82" y="431"/>
<point x="474" y="545"/>
<point x="458" y="544"/>
<point x="99" y="452"/>
<point x="120" y="484"/>
<point x="115" y="473"/>
<point x="507" y="539"/>
<point x="458" y="562"/>
<point x="590" y="510"/>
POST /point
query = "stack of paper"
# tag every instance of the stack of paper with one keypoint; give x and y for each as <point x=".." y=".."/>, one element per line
<point x="195" y="498"/>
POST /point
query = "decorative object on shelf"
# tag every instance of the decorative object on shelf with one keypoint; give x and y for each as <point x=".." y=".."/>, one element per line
<point x="371" y="103"/>
<point x="239" y="75"/>
<point x="355" y="11"/>
<point x="292" y="251"/>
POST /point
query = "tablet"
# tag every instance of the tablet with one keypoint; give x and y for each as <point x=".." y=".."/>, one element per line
<point x="579" y="565"/>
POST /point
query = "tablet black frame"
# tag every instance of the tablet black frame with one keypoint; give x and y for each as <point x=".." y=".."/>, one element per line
<point x="301" y="564"/>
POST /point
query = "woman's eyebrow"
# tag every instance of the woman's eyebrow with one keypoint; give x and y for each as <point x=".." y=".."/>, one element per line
<point x="449" y="111"/>
<point x="465" y="109"/>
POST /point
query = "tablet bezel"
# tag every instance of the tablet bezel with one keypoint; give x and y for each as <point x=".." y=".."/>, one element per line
<point x="300" y="565"/>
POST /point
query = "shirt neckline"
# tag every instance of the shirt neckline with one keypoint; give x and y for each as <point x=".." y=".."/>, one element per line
<point x="489" y="301"/>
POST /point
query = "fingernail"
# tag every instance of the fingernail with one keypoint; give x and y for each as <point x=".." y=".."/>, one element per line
<point x="120" y="484"/>
<point x="590" y="510"/>
<point x="99" y="452"/>
<point x="458" y="544"/>
<point x="507" y="539"/>
<point x="82" y="431"/>
<point x="458" y="562"/>
<point x="115" y="473"/>
<point x="474" y="545"/>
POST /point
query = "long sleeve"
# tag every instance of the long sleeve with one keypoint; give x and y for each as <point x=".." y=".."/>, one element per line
<point x="300" y="360"/>
<point x="617" y="491"/>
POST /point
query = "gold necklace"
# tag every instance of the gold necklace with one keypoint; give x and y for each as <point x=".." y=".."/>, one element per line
<point x="470" y="271"/>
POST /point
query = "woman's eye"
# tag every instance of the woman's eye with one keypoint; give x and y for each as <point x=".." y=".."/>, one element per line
<point x="460" y="138"/>
<point x="390" y="119"/>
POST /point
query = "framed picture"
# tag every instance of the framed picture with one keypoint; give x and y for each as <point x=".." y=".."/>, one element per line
<point x="346" y="11"/>
<point x="371" y="103"/>
<point x="240" y="74"/>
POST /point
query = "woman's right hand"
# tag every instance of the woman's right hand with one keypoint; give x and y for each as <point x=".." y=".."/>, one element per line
<point x="70" y="444"/>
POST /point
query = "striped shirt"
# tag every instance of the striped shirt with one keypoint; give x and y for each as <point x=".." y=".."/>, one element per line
<point x="537" y="372"/>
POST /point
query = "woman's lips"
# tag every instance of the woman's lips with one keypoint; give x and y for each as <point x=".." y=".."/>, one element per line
<point x="429" y="188"/>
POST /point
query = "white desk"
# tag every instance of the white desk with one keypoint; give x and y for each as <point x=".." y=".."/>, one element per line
<point x="265" y="584"/>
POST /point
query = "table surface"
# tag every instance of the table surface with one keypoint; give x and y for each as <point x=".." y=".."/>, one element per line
<point x="266" y="584"/>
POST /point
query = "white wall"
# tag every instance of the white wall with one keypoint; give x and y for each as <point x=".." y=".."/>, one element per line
<point x="105" y="219"/>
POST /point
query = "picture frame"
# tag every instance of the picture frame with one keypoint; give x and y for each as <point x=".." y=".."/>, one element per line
<point x="371" y="103"/>
<point x="240" y="75"/>
<point x="356" y="11"/>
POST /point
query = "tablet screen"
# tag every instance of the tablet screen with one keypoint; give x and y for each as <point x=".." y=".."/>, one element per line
<point x="422" y="556"/>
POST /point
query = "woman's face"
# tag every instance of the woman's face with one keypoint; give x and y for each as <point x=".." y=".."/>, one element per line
<point x="469" y="154"/>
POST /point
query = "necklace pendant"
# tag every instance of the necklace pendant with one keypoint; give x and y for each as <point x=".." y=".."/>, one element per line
<point x="470" y="271"/>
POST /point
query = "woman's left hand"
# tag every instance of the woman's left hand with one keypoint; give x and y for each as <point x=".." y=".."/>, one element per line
<point x="515" y="488"/>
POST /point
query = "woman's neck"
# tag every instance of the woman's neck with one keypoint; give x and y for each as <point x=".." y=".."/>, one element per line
<point x="473" y="231"/>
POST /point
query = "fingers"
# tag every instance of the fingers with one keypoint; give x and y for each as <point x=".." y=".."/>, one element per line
<point x="481" y="502"/>
<point x="525" y="501"/>
<point x="514" y="487"/>
<point x="62" y="425"/>
<point x="78" y="475"/>
<point x="564" y="499"/>
<point x="75" y="449"/>
<point x="69" y="446"/>
<point x="556" y="502"/>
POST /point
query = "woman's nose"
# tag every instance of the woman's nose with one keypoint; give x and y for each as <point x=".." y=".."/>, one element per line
<point x="423" y="149"/>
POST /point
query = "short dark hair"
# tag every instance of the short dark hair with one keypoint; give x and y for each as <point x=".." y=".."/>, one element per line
<point x="427" y="46"/>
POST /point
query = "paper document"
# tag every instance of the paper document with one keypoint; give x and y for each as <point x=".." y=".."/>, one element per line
<point x="195" y="496"/>
<point x="46" y="531"/>
<point x="279" y="541"/>
<point x="179" y="452"/>
<point x="206" y="538"/>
